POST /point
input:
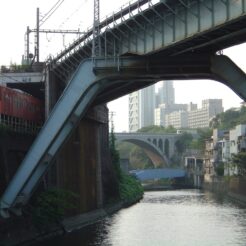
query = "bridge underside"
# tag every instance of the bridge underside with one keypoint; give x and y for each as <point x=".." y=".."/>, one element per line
<point x="98" y="81"/>
<point x="158" y="159"/>
<point x="144" y="71"/>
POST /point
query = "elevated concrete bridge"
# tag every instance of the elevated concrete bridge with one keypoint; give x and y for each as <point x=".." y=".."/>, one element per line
<point x="158" y="147"/>
<point x="143" y="43"/>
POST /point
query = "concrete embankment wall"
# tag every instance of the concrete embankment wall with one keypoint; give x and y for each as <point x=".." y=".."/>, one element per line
<point x="13" y="148"/>
<point x="84" y="165"/>
<point x="232" y="187"/>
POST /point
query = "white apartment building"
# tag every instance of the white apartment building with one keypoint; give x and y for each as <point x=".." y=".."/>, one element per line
<point x="134" y="111"/>
<point x="221" y="147"/>
<point x="177" y="119"/>
<point x="237" y="139"/>
<point x="141" y="108"/>
<point x="166" y="109"/>
<point x="200" y="118"/>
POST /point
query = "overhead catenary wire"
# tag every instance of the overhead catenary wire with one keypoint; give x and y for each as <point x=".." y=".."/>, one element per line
<point x="51" y="12"/>
<point x="68" y="18"/>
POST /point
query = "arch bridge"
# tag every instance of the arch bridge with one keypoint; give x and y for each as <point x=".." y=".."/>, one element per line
<point x="158" y="147"/>
<point x="141" y="44"/>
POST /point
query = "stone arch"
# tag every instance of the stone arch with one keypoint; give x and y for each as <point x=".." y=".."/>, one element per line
<point x="151" y="150"/>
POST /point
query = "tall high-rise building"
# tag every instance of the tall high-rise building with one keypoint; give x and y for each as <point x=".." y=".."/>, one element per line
<point x="165" y="103"/>
<point x="147" y="106"/>
<point x="141" y="108"/>
<point x="133" y="111"/>
<point x="165" y="94"/>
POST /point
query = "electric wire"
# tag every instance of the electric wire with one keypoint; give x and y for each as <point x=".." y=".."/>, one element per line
<point x="51" y="12"/>
<point x="67" y="19"/>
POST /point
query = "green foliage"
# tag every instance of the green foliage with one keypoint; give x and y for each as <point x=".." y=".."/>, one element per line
<point x="183" y="142"/>
<point x="229" y="119"/>
<point x="51" y="205"/>
<point x="240" y="161"/>
<point x="124" y="149"/>
<point x="130" y="188"/>
<point x="139" y="159"/>
<point x="204" y="133"/>
<point x="115" y="156"/>
<point x="220" y="170"/>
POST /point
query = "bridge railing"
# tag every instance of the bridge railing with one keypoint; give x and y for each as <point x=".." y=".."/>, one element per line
<point x="108" y="22"/>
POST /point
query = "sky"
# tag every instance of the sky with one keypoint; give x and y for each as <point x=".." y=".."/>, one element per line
<point x="16" y="15"/>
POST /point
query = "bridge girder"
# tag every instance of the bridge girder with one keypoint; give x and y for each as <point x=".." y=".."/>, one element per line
<point x="170" y="28"/>
<point x="92" y="79"/>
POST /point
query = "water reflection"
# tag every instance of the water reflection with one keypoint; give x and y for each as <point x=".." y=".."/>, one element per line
<point x="179" y="218"/>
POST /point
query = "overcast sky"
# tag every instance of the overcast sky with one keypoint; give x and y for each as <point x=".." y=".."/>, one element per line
<point x="16" y="15"/>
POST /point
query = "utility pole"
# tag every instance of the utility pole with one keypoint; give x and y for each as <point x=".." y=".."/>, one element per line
<point x="96" y="30"/>
<point x="37" y="37"/>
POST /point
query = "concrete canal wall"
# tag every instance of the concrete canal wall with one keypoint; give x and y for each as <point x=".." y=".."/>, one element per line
<point x="232" y="187"/>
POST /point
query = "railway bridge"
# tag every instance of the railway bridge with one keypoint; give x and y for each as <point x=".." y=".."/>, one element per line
<point x="144" y="42"/>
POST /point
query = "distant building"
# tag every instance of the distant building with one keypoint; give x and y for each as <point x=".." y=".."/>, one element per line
<point x="165" y="94"/>
<point x="221" y="147"/>
<point x="165" y="103"/>
<point x="200" y="118"/>
<point x="177" y="119"/>
<point x="147" y="106"/>
<point x="141" y="108"/>
<point x="134" y="111"/>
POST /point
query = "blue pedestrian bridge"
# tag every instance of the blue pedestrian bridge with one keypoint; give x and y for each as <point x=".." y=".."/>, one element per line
<point x="158" y="173"/>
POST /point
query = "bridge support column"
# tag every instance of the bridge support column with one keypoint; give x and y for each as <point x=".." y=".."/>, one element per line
<point x="99" y="170"/>
<point x="53" y="90"/>
<point x="229" y="74"/>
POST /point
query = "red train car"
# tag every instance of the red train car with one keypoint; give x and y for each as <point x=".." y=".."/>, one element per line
<point x="20" y="108"/>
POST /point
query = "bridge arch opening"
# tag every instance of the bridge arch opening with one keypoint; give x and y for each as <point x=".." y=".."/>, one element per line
<point x="166" y="148"/>
<point x="155" y="142"/>
<point x="153" y="152"/>
<point x="160" y="144"/>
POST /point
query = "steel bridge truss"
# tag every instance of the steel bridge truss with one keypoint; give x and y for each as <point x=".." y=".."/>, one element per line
<point x="169" y="27"/>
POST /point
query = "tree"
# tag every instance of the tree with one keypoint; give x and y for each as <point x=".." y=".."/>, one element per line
<point x="183" y="142"/>
<point x="229" y="118"/>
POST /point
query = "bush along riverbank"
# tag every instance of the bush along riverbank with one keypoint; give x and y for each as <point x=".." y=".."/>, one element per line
<point x="130" y="189"/>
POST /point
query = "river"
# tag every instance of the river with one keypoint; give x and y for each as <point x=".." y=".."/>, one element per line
<point x="172" y="218"/>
